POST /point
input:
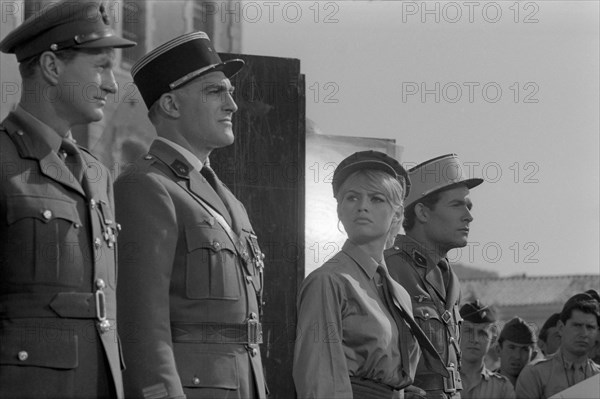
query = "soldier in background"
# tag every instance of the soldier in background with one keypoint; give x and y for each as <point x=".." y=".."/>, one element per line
<point x="437" y="217"/>
<point x="478" y="333"/>
<point x="578" y="327"/>
<point x="58" y="251"/>
<point x="190" y="278"/>
<point x="548" y="337"/>
<point x="516" y="347"/>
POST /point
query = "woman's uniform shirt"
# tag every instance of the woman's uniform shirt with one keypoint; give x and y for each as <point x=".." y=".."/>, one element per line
<point x="345" y="329"/>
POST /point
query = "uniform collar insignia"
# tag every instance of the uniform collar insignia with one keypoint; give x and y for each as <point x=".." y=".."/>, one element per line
<point x="419" y="258"/>
<point x="181" y="168"/>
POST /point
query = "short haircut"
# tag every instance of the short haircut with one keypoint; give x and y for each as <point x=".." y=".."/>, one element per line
<point x="584" y="303"/>
<point x="430" y="201"/>
<point x="551" y="322"/>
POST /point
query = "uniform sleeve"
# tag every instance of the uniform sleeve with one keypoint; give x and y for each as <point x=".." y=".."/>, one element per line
<point x="320" y="369"/>
<point x="528" y="384"/>
<point x="508" y="392"/>
<point x="147" y="249"/>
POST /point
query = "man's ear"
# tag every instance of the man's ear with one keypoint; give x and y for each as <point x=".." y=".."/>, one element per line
<point x="559" y="327"/>
<point x="421" y="213"/>
<point x="50" y="67"/>
<point x="168" y="104"/>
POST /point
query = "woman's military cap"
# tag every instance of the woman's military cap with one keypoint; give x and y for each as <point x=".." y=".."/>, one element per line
<point x="63" y="25"/>
<point x="477" y="313"/>
<point x="370" y="160"/>
<point x="437" y="174"/>
<point x="176" y="63"/>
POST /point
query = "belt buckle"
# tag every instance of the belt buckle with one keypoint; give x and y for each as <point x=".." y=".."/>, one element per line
<point x="446" y="316"/>
<point x="450" y="382"/>
<point x="254" y="332"/>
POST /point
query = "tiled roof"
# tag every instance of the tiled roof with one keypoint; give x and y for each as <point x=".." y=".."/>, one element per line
<point x="528" y="290"/>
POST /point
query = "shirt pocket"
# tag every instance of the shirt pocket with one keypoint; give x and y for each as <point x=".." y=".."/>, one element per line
<point x="428" y="318"/>
<point x="48" y="348"/>
<point x="212" y="269"/>
<point x="200" y="369"/>
<point x="45" y="242"/>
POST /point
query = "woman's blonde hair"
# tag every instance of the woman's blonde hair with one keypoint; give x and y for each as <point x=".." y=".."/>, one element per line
<point x="376" y="180"/>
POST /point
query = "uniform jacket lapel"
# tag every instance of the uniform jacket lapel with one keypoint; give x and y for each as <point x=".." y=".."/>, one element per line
<point x="192" y="181"/>
<point x="32" y="146"/>
<point x="453" y="292"/>
<point x="425" y="266"/>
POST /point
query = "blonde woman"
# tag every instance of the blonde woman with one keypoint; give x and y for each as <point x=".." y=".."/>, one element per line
<point x="356" y="335"/>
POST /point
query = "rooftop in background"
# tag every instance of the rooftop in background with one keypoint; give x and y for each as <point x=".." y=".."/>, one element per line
<point x="525" y="290"/>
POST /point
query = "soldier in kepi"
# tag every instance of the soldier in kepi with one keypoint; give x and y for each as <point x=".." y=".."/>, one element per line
<point x="437" y="218"/>
<point x="190" y="281"/>
<point x="58" y="247"/>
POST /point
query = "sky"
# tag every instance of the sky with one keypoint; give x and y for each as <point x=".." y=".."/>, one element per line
<point x="511" y="87"/>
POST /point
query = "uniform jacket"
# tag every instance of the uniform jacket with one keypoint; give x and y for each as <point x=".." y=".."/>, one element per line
<point x="345" y="329"/>
<point x="491" y="385"/>
<point x="183" y="282"/>
<point x="57" y="271"/>
<point x="547" y="377"/>
<point x="409" y="265"/>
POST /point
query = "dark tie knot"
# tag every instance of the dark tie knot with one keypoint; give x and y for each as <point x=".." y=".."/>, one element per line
<point x="68" y="147"/>
<point x="443" y="265"/>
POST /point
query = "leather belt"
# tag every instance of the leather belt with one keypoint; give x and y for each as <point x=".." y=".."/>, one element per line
<point x="249" y="333"/>
<point x="432" y="382"/>
<point x="76" y="305"/>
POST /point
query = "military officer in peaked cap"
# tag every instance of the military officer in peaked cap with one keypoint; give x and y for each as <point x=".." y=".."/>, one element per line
<point x="478" y="333"/>
<point x="58" y="248"/>
<point x="190" y="278"/>
<point x="437" y="217"/>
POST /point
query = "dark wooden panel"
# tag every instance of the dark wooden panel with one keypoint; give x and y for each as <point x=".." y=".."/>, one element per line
<point x="265" y="170"/>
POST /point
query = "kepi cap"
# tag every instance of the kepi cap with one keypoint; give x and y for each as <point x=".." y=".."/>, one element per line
<point x="63" y="25"/>
<point x="518" y="331"/>
<point x="176" y="63"/>
<point x="477" y="313"/>
<point x="437" y="174"/>
<point x="370" y="160"/>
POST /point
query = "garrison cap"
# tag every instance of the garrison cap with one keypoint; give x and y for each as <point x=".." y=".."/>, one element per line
<point x="370" y="160"/>
<point x="518" y="331"/>
<point x="437" y="174"/>
<point x="176" y="63"/>
<point x="477" y="313"/>
<point x="62" y="25"/>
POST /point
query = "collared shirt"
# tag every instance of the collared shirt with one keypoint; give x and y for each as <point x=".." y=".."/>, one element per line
<point x="345" y="329"/>
<point x="42" y="131"/>
<point x="490" y="386"/>
<point x="552" y="375"/>
<point x="187" y="154"/>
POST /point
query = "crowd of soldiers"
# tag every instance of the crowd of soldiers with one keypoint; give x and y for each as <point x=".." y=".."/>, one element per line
<point x="190" y="267"/>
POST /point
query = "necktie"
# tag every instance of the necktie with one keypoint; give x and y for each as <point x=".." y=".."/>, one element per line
<point x="445" y="270"/>
<point x="432" y="358"/>
<point x="72" y="158"/>
<point x="402" y="329"/>
<point x="210" y="177"/>
<point x="578" y="374"/>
